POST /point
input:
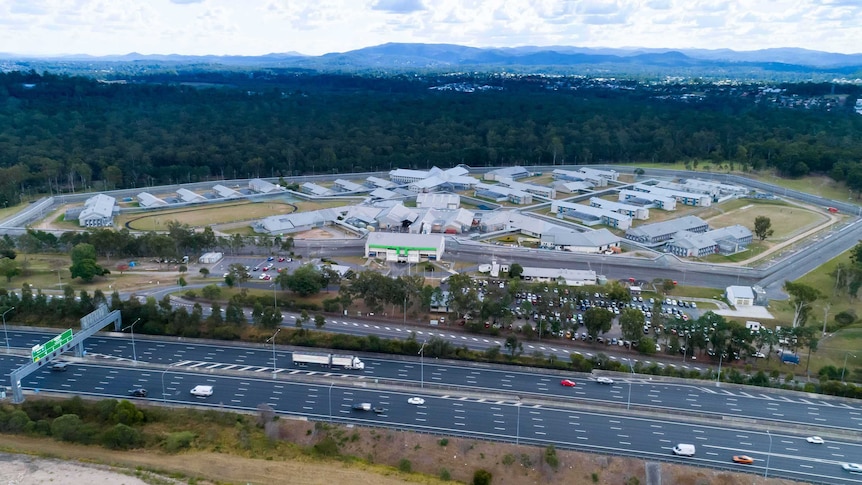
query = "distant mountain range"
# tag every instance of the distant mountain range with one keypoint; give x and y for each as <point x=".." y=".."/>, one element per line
<point x="529" y="59"/>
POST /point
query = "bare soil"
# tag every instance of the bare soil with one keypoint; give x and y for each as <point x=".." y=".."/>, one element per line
<point x="379" y="453"/>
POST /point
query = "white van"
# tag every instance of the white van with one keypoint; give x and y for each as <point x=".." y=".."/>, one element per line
<point x="202" y="391"/>
<point x="683" y="449"/>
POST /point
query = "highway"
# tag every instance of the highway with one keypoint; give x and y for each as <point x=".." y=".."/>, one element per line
<point x="765" y="405"/>
<point x="451" y="413"/>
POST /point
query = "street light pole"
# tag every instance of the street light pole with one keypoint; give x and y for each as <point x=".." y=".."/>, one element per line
<point x="6" y="332"/>
<point x="845" y="365"/>
<point x="330" y="401"/>
<point x="272" y="339"/>
<point x="718" y="377"/>
<point x="164" y="395"/>
<point x="629" y="404"/>
<point x="518" y="421"/>
<point x="422" y="362"/>
<point x="134" y="351"/>
<point x="766" y="473"/>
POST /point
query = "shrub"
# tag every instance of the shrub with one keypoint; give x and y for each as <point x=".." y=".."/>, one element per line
<point x="445" y="475"/>
<point x="551" y="457"/>
<point x="67" y="427"/>
<point x="326" y="447"/>
<point x="405" y="466"/>
<point x="508" y="459"/>
<point x="845" y="318"/>
<point x="179" y="441"/>
<point x="443" y="441"/>
<point x="17" y="423"/>
<point x="121" y="437"/>
<point x="482" y="477"/>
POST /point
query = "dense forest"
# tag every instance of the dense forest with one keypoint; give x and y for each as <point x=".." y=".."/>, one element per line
<point x="66" y="133"/>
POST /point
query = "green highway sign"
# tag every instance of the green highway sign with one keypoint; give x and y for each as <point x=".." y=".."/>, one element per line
<point x="41" y="351"/>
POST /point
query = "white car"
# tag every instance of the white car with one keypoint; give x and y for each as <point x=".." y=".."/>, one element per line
<point x="416" y="401"/>
<point x="815" y="439"/>
<point x="605" y="380"/>
<point x="852" y="467"/>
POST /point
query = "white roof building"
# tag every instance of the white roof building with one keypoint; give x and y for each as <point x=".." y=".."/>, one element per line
<point x="540" y="190"/>
<point x="187" y="195"/>
<point x="225" y="192"/>
<point x="263" y="187"/>
<point x="605" y="174"/>
<point x="633" y="211"/>
<point x="383" y="194"/>
<point x="594" y="242"/>
<point x="405" y="248"/>
<point x="572" y="187"/>
<point x="657" y="201"/>
<point x="685" y="198"/>
<point x="591" y="216"/>
<point x="98" y="211"/>
<point x="569" y="277"/>
<point x="297" y="222"/>
<point x="148" y="200"/>
<point x="343" y="185"/>
<point x="314" y="189"/>
<point x="438" y="201"/>
<point x="506" y="173"/>
<point x="373" y="181"/>
<point x="740" y="295"/>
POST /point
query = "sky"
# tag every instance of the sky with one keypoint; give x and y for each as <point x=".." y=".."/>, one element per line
<point x="314" y="27"/>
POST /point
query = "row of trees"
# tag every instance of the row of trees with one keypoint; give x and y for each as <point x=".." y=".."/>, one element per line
<point x="69" y="134"/>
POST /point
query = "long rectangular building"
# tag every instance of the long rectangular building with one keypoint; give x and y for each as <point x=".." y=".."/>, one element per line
<point x="405" y="248"/>
<point x="591" y="216"/>
<point x="633" y="211"/>
<point x="660" y="232"/>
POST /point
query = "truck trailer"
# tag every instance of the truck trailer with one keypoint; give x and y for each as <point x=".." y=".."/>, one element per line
<point x="349" y="362"/>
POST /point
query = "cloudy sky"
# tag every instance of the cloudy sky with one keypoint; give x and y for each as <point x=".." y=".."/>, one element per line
<point x="252" y="27"/>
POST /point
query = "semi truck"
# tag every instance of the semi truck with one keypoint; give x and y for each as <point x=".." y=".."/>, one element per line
<point x="349" y="362"/>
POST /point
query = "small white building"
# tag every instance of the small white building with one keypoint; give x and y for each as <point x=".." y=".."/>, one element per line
<point x="225" y="192"/>
<point x="405" y="248"/>
<point x="210" y="258"/>
<point x="148" y="200"/>
<point x="263" y="187"/>
<point x="187" y="195"/>
<point x="569" y="277"/>
<point x="437" y="201"/>
<point x="740" y="295"/>
<point x="98" y="211"/>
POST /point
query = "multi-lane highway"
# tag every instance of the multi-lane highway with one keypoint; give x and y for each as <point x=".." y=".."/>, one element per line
<point x="484" y="401"/>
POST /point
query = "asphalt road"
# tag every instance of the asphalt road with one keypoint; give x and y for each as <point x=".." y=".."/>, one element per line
<point x="510" y="420"/>
<point x="765" y="405"/>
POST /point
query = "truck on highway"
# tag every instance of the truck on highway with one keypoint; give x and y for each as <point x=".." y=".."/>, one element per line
<point x="684" y="449"/>
<point x="349" y="362"/>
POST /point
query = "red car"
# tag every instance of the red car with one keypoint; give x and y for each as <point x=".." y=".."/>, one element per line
<point x="567" y="383"/>
<point x="281" y="259"/>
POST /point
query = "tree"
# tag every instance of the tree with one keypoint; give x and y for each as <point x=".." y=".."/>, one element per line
<point x="513" y="346"/>
<point x="305" y="281"/>
<point x="801" y="298"/>
<point x="84" y="264"/>
<point x="631" y="323"/>
<point x="515" y="270"/>
<point x="319" y="321"/>
<point x="763" y="227"/>
<point x="204" y="272"/>
<point x="9" y="268"/>
<point x="597" y="320"/>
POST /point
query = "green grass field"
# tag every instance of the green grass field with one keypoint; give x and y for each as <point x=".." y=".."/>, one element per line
<point x="205" y="215"/>
<point x="786" y="220"/>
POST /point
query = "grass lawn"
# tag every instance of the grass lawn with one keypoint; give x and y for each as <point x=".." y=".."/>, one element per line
<point x="205" y="215"/>
<point x="786" y="220"/>
<point x="313" y="205"/>
<point x="751" y="251"/>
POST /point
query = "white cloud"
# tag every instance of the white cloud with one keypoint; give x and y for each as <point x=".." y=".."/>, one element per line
<point x="318" y="26"/>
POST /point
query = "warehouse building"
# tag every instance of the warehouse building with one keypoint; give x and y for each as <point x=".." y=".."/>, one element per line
<point x="263" y="187"/>
<point x="513" y="173"/>
<point x="187" y="195"/>
<point x="405" y="248"/>
<point x="633" y="211"/>
<point x="591" y="242"/>
<point x="660" y="232"/>
<point x="690" y="244"/>
<point x="372" y="182"/>
<point x="225" y="192"/>
<point x="98" y="211"/>
<point x="314" y="189"/>
<point x="540" y="190"/>
<point x="438" y="201"/>
<point x="148" y="200"/>
<point x="591" y="216"/>
<point x="342" y="185"/>
<point x="572" y="187"/>
<point x="646" y="198"/>
<point x="568" y="277"/>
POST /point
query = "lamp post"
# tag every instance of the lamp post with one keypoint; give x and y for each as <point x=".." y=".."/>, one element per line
<point x="718" y="377"/>
<point x="422" y="363"/>
<point x="6" y="332"/>
<point x="845" y="365"/>
<point x="629" y="403"/>
<point x="164" y="395"/>
<point x="272" y="339"/>
<point x="330" y="401"/>
<point x="766" y="473"/>
<point x="134" y="351"/>
<point x="518" y="421"/>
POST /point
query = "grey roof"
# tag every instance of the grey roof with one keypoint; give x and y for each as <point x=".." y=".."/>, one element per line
<point x="561" y="236"/>
<point x="225" y="192"/>
<point x="349" y="186"/>
<point x="100" y="205"/>
<point x="737" y="232"/>
<point x="691" y="240"/>
<point x="147" y="199"/>
<point x="315" y="189"/>
<point x="685" y="223"/>
<point x="438" y="200"/>
<point x="568" y="274"/>
<point x="379" y="182"/>
<point x="187" y="195"/>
